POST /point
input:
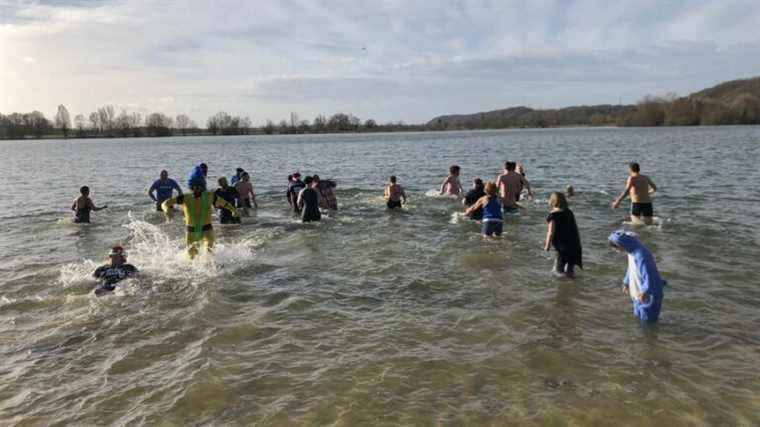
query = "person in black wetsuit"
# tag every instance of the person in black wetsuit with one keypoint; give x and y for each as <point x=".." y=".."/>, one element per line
<point x="83" y="205"/>
<point x="562" y="233"/>
<point x="308" y="201"/>
<point x="111" y="274"/>
<point x="228" y="194"/>
<point x="473" y="196"/>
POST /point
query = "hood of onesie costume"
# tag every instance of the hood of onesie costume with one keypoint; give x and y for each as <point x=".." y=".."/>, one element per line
<point x="196" y="178"/>
<point x="626" y="240"/>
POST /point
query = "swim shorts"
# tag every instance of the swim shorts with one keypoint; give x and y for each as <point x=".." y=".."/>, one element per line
<point x="245" y="203"/>
<point x="642" y="209"/>
<point x="493" y="227"/>
<point x="392" y="205"/>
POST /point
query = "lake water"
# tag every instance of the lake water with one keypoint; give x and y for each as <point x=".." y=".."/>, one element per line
<point x="373" y="318"/>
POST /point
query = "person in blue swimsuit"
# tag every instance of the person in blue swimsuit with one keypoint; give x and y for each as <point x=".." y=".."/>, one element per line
<point x="493" y="219"/>
<point x="163" y="189"/>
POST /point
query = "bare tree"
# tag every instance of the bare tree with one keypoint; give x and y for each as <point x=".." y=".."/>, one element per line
<point x="95" y="122"/>
<point x="63" y="121"/>
<point x="80" y="123"/>
<point x="183" y="123"/>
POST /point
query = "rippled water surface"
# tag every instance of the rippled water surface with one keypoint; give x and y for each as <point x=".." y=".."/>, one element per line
<point x="377" y="318"/>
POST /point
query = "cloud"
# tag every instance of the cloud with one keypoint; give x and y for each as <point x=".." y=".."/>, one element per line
<point x="390" y="60"/>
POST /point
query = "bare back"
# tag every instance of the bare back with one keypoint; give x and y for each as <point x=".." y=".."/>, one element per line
<point x="510" y="185"/>
<point x="639" y="188"/>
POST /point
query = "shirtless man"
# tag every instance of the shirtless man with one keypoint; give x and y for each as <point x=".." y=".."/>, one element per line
<point x="510" y="184"/>
<point x="394" y="194"/>
<point x="639" y="187"/>
<point x="451" y="185"/>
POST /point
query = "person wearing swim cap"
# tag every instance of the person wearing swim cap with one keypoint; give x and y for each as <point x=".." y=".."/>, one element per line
<point x="83" y="205"/>
<point x="642" y="281"/>
<point x="198" y="209"/>
<point x="163" y="188"/>
<point x="109" y="275"/>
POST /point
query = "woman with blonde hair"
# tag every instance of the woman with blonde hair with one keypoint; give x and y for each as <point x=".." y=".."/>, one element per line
<point x="562" y="233"/>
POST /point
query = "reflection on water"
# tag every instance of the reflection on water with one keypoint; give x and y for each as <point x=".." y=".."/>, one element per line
<point x="373" y="317"/>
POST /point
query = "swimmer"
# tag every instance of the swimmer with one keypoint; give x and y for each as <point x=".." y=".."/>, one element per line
<point x="308" y="201"/>
<point x="510" y="185"/>
<point x="562" y="233"/>
<point x="569" y="191"/>
<point x="228" y="194"/>
<point x="326" y="189"/>
<point x="163" y="188"/>
<point x="493" y="223"/>
<point x="394" y="194"/>
<point x="451" y="185"/>
<point x="198" y="210"/>
<point x="109" y="275"/>
<point x="642" y="282"/>
<point x="295" y="185"/>
<point x="83" y="205"/>
<point x="473" y="196"/>
<point x="245" y="194"/>
<point x="638" y="187"/>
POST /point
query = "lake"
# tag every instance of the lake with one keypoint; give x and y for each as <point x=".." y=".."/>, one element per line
<point x="378" y="318"/>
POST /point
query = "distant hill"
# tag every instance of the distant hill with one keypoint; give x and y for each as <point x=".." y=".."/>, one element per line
<point x="730" y="91"/>
<point x="527" y="117"/>
<point x="733" y="102"/>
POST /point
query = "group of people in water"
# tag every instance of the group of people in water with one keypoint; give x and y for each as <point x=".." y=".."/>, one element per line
<point x="486" y="203"/>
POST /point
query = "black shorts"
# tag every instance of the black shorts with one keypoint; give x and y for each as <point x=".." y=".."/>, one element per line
<point x="642" y="209"/>
<point x="158" y="206"/>
<point x="245" y="203"/>
<point x="392" y="205"/>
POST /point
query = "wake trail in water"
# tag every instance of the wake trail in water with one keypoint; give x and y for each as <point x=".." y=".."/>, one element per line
<point x="161" y="258"/>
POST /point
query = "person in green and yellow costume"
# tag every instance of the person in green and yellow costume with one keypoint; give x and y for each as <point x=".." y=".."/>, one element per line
<point x="198" y="208"/>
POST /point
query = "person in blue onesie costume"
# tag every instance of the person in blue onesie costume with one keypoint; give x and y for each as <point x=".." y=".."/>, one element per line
<point x="642" y="281"/>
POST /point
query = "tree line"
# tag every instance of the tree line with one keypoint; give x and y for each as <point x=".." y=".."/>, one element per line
<point x="106" y="122"/>
<point x="670" y="110"/>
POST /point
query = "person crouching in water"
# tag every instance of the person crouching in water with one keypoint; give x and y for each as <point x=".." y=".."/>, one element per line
<point x="109" y="275"/>
<point x="562" y="233"/>
<point x="228" y="194"/>
<point x="198" y="209"/>
<point x="394" y="194"/>
<point x="308" y="201"/>
<point x="473" y="196"/>
<point x="493" y="220"/>
<point x="83" y="205"/>
<point x="245" y="194"/>
<point x="642" y="281"/>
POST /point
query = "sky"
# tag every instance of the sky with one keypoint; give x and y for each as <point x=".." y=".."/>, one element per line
<point x="389" y="60"/>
